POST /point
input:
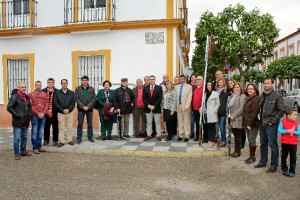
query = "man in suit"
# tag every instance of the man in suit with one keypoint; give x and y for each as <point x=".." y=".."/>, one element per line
<point x="152" y="97"/>
<point x="185" y="93"/>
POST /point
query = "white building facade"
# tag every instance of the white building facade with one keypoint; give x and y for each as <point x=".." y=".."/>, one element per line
<point x="104" y="39"/>
<point x="287" y="46"/>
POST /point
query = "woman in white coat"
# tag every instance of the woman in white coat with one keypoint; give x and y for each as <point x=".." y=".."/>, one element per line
<point x="211" y="107"/>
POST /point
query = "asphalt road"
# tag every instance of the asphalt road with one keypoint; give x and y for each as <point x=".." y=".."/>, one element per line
<point x="88" y="176"/>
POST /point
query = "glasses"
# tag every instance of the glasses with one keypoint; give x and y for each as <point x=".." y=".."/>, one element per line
<point x="50" y="82"/>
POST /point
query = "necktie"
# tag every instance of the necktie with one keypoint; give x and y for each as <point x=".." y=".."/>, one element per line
<point x="180" y="93"/>
<point x="151" y="90"/>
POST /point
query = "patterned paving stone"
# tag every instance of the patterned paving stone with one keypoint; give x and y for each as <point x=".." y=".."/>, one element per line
<point x="128" y="147"/>
<point x="161" y="148"/>
<point x="136" y="139"/>
<point x="177" y="144"/>
<point x="148" y="144"/>
<point x="144" y="148"/>
<point x="162" y="144"/>
<point x="118" y="143"/>
<point x="177" y="149"/>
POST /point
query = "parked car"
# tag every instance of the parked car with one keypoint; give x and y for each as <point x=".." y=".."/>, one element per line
<point x="282" y="92"/>
<point x="292" y="99"/>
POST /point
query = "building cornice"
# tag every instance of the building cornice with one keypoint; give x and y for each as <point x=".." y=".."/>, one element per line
<point x="288" y="37"/>
<point x="67" y="29"/>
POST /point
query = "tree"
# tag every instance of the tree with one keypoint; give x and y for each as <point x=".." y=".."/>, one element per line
<point x="254" y="76"/>
<point x="245" y="39"/>
<point x="285" y="68"/>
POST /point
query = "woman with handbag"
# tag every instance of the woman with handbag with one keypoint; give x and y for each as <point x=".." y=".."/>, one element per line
<point x="235" y="107"/>
<point x="169" y="110"/>
<point x="106" y="110"/>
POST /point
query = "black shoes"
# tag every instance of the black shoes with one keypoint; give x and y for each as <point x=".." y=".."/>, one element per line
<point x="186" y="139"/>
<point x="108" y="137"/>
<point x="79" y="141"/>
<point x="91" y="140"/>
<point x="126" y="136"/>
<point x="45" y="143"/>
<point x="179" y="139"/>
<point x="250" y="160"/>
<point x="54" y="143"/>
<point x="71" y="143"/>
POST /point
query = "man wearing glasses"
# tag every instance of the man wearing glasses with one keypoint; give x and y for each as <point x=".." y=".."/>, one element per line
<point x="51" y="114"/>
<point x="152" y="96"/>
<point x="85" y="99"/>
<point x="64" y="102"/>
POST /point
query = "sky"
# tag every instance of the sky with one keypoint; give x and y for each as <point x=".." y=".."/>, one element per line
<point x="286" y="13"/>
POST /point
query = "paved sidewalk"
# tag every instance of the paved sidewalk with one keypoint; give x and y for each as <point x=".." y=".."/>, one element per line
<point x="132" y="146"/>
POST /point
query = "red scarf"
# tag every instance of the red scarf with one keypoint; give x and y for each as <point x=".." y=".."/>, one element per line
<point x="22" y="96"/>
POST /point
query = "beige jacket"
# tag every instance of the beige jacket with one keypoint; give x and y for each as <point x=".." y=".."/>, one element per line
<point x="186" y="98"/>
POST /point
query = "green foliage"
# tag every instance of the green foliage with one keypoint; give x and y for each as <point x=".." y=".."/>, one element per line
<point x="244" y="38"/>
<point x="254" y="76"/>
<point x="285" y="68"/>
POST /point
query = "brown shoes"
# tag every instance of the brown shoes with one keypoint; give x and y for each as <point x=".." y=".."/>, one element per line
<point x="71" y="143"/>
<point x="35" y="151"/>
<point x="259" y="165"/>
<point x="210" y="144"/>
<point x="17" y="157"/>
<point x="222" y="144"/>
<point x="158" y="138"/>
<point x="60" y="144"/>
<point x="235" y="154"/>
<point x="271" y="170"/>
<point x="42" y="149"/>
<point x="26" y="154"/>
<point x="147" y="138"/>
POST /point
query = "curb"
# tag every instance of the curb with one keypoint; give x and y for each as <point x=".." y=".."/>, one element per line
<point x="134" y="153"/>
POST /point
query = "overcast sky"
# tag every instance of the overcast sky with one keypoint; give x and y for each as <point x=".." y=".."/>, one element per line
<point x="286" y="12"/>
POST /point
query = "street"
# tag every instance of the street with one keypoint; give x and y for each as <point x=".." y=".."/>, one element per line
<point x="91" y="176"/>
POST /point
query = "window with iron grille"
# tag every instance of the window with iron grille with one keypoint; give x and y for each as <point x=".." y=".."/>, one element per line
<point x="21" y="7"/>
<point x="17" y="72"/>
<point x="94" y="4"/>
<point x="92" y="66"/>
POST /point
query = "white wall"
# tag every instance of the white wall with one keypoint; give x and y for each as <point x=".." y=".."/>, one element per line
<point x="130" y="56"/>
<point x="51" y="13"/>
<point x="131" y="10"/>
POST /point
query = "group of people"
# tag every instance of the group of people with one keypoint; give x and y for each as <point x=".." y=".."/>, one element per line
<point x="178" y="107"/>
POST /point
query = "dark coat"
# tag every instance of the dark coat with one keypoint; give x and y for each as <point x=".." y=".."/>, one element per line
<point x="81" y="101"/>
<point x="101" y="99"/>
<point x="155" y="100"/>
<point x="223" y="96"/>
<point x="272" y="107"/>
<point x="64" y="101"/>
<point x="250" y="112"/>
<point x="21" y="111"/>
<point x="54" y="111"/>
<point x="120" y="100"/>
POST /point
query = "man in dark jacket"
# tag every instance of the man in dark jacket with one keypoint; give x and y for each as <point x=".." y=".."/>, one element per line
<point x="152" y="97"/>
<point x="271" y="110"/>
<point x="51" y="115"/>
<point x="123" y="102"/>
<point x="64" y="102"/>
<point x="85" y="99"/>
<point x="20" y="108"/>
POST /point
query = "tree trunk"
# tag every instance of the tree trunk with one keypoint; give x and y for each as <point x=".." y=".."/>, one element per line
<point x="242" y="80"/>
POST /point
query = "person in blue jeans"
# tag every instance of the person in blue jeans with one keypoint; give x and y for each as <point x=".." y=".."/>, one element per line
<point x="85" y="99"/>
<point x="223" y="92"/>
<point x="271" y="110"/>
<point x="20" y="108"/>
<point x="39" y="103"/>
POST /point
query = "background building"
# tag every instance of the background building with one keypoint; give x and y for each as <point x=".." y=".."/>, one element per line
<point x="104" y="39"/>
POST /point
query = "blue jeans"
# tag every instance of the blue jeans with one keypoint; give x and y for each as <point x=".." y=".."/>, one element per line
<point x="222" y="126"/>
<point x="20" y="135"/>
<point x="268" y="135"/>
<point x="89" y="117"/>
<point x="37" y="131"/>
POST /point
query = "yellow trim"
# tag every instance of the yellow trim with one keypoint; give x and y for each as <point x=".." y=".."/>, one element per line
<point x="177" y="57"/>
<point x="166" y="23"/>
<point x="170" y="52"/>
<point x="75" y="54"/>
<point x="31" y="7"/>
<point x="30" y="56"/>
<point x="108" y="10"/>
<point x="75" y="11"/>
<point x="3" y="14"/>
<point x="170" y="9"/>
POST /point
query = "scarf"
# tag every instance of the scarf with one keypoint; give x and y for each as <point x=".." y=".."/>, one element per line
<point x="22" y="96"/>
<point x="220" y="90"/>
<point x="50" y="106"/>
